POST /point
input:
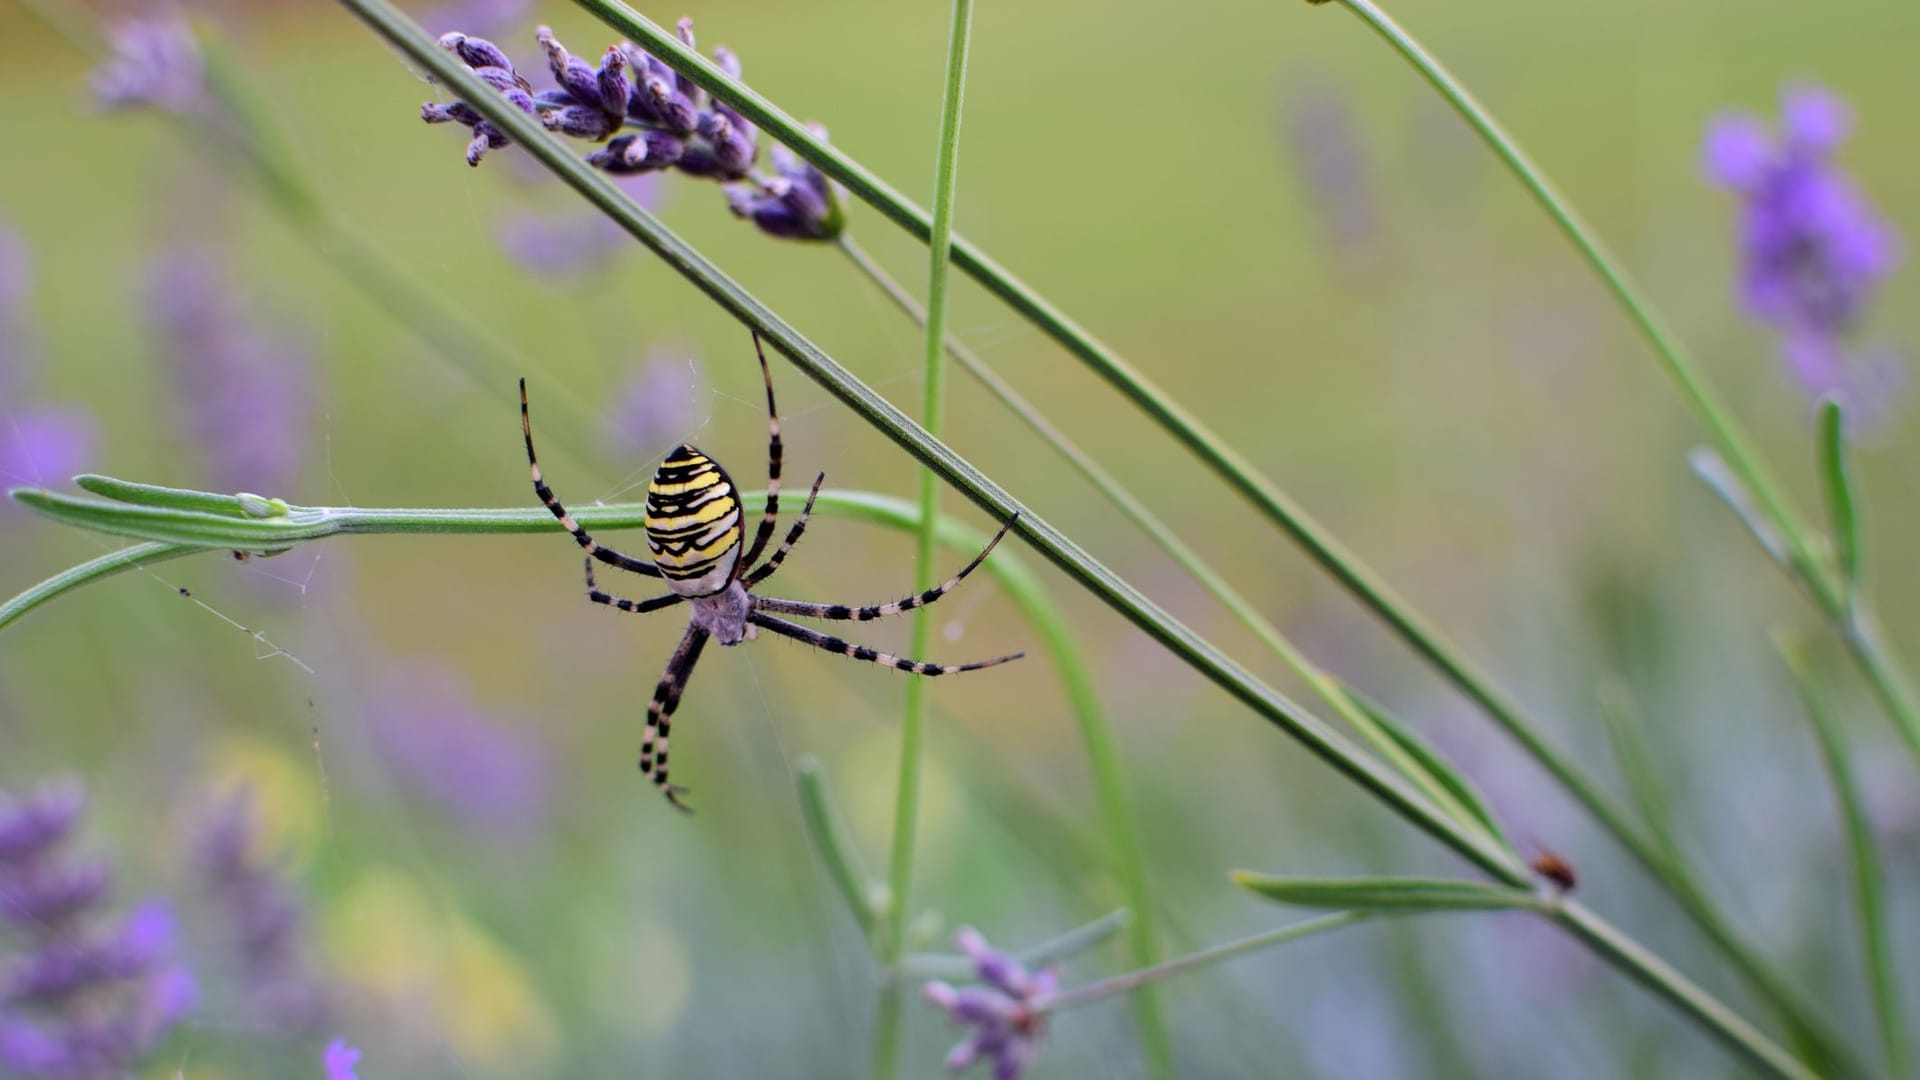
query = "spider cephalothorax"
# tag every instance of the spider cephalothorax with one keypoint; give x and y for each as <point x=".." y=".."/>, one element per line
<point x="696" y="532"/>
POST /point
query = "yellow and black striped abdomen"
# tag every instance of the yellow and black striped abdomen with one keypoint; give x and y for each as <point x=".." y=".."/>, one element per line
<point x="693" y="523"/>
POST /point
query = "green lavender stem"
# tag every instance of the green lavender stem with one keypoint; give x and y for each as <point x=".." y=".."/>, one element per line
<point x="933" y="390"/>
<point x="1132" y="981"/>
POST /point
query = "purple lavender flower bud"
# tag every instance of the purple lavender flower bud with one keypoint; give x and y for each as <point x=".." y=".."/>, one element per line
<point x="580" y="122"/>
<point x="340" y="1060"/>
<point x="732" y="142"/>
<point x="475" y="52"/>
<point x="152" y="63"/>
<point x="684" y="31"/>
<point x="726" y="61"/>
<point x="574" y="75"/>
<point x="654" y="100"/>
<point x="640" y="152"/>
<point x="491" y="65"/>
<point x="615" y="88"/>
<point x="485" y="137"/>
<point x="798" y="204"/>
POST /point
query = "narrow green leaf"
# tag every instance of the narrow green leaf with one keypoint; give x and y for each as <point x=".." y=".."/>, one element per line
<point x="1386" y="895"/>
<point x="88" y="572"/>
<point x="1838" y="487"/>
<point x="1077" y="940"/>
<point x="834" y="842"/>
<point x="171" y="498"/>
<point x="166" y="524"/>
<point x="1428" y="760"/>
<point x="1876" y="946"/>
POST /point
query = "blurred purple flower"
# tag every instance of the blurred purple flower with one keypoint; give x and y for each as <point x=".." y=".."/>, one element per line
<point x="1324" y="146"/>
<point x="654" y="406"/>
<point x="1813" y="249"/>
<point x="244" y="390"/>
<point x="487" y="775"/>
<point x="43" y="446"/>
<point x="575" y="246"/>
<point x="82" y="998"/>
<point x="152" y="63"/>
<point x="262" y="919"/>
<point x="1006" y="1029"/>
<point x="341" y="1060"/>
<point x="798" y="203"/>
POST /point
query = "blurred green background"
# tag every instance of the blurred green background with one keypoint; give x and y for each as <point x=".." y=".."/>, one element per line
<point x="1258" y="206"/>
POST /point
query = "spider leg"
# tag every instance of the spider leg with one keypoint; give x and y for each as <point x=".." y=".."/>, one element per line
<point x="793" y="536"/>
<point x="666" y="698"/>
<point x="765" y="532"/>
<point x="540" y="488"/>
<point x="638" y="607"/>
<point x="875" y="611"/>
<point x="860" y="652"/>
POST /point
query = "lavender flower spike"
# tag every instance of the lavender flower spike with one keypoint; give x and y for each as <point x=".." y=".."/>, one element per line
<point x="263" y="918"/>
<point x="81" y="998"/>
<point x="1006" y="1029"/>
<point x="153" y="63"/>
<point x="1813" y="249"/>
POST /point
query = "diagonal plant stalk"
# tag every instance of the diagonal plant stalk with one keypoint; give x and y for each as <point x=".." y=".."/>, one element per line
<point x="1831" y="592"/>
<point x="1319" y="544"/>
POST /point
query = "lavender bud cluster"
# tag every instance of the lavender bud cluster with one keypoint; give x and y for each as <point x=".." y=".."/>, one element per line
<point x="650" y="119"/>
<point x="80" y="995"/>
<point x="1006" y="1028"/>
<point x="1813" y="250"/>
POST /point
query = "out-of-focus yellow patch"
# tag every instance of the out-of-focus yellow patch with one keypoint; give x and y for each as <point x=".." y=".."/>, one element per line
<point x="289" y="806"/>
<point x="865" y="777"/>
<point x="642" y="982"/>
<point x="431" y="962"/>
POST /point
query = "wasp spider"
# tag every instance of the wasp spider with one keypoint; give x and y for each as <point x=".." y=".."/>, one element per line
<point x="694" y="529"/>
